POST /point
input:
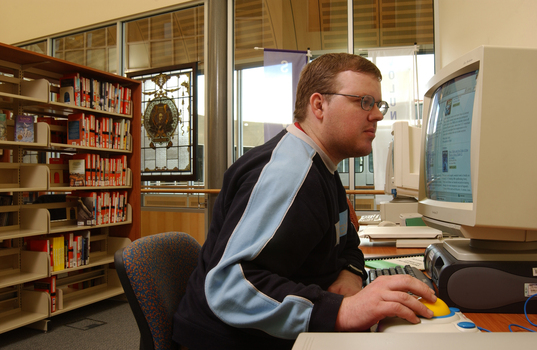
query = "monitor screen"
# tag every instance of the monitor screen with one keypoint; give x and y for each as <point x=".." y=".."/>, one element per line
<point x="448" y="141"/>
<point x="478" y="161"/>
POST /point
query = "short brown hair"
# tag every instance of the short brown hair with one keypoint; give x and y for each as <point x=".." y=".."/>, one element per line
<point x="320" y="76"/>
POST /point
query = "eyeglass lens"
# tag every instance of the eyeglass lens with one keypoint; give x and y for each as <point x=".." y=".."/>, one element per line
<point x="369" y="101"/>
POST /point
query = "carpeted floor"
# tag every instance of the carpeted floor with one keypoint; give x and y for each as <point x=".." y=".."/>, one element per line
<point x="108" y="324"/>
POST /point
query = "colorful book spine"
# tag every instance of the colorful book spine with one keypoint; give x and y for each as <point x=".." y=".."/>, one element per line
<point x="24" y="128"/>
<point x="58" y="250"/>
<point x="3" y="127"/>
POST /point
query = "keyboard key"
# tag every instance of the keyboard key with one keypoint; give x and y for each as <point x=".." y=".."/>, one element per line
<point x="398" y="270"/>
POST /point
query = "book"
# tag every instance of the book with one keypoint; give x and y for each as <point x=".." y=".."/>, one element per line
<point x="47" y="284"/>
<point x="86" y="213"/>
<point x="4" y="216"/>
<point x="70" y="245"/>
<point x="3" y="127"/>
<point x="79" y="240"/>
<point x="67" y="95"/>
<point x="58" y="253"/>
<point x="76" y="130"/>
<point x="42" y="245"/>
<point x="24" y="128"/>
<point x="72" y="80"/>
<point x="84" y="239"/>
<point x="77" y="172"/>
<point x="87" y="157"/>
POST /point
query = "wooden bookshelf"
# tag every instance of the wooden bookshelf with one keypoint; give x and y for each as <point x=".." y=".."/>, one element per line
<point x="28" y="84"/>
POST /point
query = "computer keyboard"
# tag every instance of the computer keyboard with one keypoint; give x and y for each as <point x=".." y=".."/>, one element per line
<point x="370" y="219"/>
<point x="400" y="270"/>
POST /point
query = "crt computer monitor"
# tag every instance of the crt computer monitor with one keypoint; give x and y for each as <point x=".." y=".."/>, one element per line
<point x="402" y="166"/>
<point x="478" y="166"/>
<point x="406" y="158"/>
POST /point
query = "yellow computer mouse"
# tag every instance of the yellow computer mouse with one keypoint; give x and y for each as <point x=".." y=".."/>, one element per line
<point x="439" y="308"/>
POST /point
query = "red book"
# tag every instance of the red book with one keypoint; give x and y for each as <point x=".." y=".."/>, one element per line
<point x="100" y="198"/>
<point x="42" y="245"/>
<point x="53" y="300"/>
<point x="78" y="240"/>
<point x="120" y="170"/>
<point x="92" y="130"/>
<point x="124" y="205"/>
<point x="126" y="101"/>
<point x="55" y="161"/>
<point x="75" y="129"/>
<point x="47" y="284"/>
<point x="70" y="249"/>
<point x="106" y="208"/>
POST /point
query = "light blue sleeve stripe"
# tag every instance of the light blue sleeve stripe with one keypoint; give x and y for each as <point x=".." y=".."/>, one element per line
<point x="343" y="223"/>
<point x="233" y="298"/>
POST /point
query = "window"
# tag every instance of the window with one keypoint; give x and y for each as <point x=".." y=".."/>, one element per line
<point x="165" y="40"/>
<point x="169" y="124"/>
<point x="95" y="48"/>
<point x="39" y="47"/>
<point x="322" y="26"/>
<point x="163" y="43"/>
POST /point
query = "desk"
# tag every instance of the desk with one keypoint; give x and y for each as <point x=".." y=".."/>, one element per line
<point x="490" y="321"/>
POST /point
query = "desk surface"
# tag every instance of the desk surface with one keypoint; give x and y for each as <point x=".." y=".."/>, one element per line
<point x="413" y="341"/>
<point x="490" y="321"/>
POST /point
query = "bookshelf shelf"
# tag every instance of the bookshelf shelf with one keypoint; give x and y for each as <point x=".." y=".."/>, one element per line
<point x="33" y="222"/>
<point x="58" y="109"/>
<point x="35" y="307"/>
<point x="29" y="84"/>
<point x="92" y="295"/>
<point x="64" y="147"/>
<point x="70" y="225"/>
<point x="41" y="132"/>
<point x="34" y="266"/>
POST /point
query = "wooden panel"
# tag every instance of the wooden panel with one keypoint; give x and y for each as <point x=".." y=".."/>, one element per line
<point x="405" y="22"/>
<point x="252" y="29"/>
<point x="163" y="221"/>
<point x="366" y="23"/>
<point x="333" y="17"/>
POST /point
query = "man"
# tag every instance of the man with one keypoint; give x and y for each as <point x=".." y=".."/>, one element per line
<point x="281" y="257"/>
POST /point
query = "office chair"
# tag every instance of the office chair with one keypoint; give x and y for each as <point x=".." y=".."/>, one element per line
<point x="154" y="271"/>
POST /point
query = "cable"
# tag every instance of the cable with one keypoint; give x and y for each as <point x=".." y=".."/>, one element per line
<point x="525" y="313"/>
<point x="527" y="318"/>
<point x="516" y="325"/>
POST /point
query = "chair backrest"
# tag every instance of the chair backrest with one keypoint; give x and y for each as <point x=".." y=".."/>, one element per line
<point x="154" y="271"/>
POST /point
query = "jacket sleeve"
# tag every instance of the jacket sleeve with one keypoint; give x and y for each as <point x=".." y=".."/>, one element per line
<point x="235" y="287"/>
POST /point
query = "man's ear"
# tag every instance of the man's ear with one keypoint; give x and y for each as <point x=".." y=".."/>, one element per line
<point x="316" y="105"/>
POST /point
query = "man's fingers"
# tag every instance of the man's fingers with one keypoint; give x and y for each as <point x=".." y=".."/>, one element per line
<point x="409" y="284"/>
<point x="407" y="306"/>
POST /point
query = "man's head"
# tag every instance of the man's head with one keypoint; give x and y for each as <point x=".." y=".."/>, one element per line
<point x="321" y="75"/>
<point x="339" y="104"/>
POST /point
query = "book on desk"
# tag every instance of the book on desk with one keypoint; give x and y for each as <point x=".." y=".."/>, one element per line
<point x="402" y="236"/>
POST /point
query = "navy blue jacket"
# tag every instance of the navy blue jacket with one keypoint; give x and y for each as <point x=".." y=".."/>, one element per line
<point x="279" y="237"/>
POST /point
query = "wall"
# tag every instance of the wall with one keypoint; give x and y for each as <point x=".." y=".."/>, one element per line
<point x="462" y="25"/>
<point x="158" y="221"/>
<point x="57" y="16"/>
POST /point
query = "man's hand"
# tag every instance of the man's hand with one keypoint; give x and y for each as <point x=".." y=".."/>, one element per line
<point x="386" y="296"/>
<point x="347" y="284"/>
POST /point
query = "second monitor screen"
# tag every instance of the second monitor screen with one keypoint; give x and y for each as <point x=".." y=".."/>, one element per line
<point x="448" y="141"/>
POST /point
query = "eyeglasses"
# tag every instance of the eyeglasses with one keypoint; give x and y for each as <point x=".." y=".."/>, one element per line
<point x="367" y="102"/>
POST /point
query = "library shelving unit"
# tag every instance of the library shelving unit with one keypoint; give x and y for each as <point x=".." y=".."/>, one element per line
<point x="28" y="83"/>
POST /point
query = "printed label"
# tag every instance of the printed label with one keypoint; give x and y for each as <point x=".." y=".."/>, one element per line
<point x="530" y="289"/>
